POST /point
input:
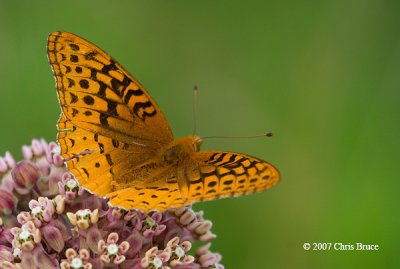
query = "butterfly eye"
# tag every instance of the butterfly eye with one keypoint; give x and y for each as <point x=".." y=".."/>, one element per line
<point x="196" y="146"/>
<point x="171" y="153"/>
<point x="197" y="143"/>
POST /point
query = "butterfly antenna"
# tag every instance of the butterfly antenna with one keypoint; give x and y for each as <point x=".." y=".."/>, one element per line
<point x="194" y="105"/>
<point x="251" y="136"/>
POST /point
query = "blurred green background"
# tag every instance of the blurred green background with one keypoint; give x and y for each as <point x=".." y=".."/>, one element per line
<point x="323" y="76"/>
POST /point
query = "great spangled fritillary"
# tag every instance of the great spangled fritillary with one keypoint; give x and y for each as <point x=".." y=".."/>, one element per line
<point x="118" y="144"/>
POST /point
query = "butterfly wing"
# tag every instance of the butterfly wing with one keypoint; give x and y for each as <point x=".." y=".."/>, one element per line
<point x="110" y="130"/>
<point x="159" y="194"/>
<point x="215" y="174"/>
<point x="97" y="94"/>
<point x="114" y="170"/>
<point x="108" y="123"/>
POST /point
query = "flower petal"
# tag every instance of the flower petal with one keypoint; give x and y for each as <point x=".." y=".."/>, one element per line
<point x="119" y="259"/>
<point x="123" y="247"/>
<point x="53" y="237"/>
<point x="112" y="238"/>
<point x="93" y="236"/>
<point x="42" y="259"/>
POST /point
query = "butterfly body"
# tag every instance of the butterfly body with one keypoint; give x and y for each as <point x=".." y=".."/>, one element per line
<point x="164" y="163"/>
<point x="118" y="144"/>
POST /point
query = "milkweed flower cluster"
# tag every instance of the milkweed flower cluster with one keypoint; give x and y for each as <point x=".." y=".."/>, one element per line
<point x="48" y="221"/>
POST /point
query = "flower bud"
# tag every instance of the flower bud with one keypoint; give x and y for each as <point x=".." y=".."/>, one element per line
<point x="7" y="202"/>
<point x="53" y="237"/>
<point x="25" y="175"/>
<point x="6" y="253"/>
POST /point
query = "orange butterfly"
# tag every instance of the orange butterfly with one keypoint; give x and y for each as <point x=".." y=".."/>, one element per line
<point x="118" y="144"/>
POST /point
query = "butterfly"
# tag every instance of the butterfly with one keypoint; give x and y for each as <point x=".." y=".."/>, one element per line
<point x="118" y="144"/>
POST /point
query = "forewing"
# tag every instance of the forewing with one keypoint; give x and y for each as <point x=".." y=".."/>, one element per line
<point x="98" y="95"/>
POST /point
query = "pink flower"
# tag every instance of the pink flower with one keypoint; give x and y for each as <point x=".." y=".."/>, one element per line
<point x="149" y="224"/>
<point x="83" y="218"/>
<point x="42" y="209"/>
<point x="75" y="260"/>
<point x="112" y="251"/>
<point x="208" y="259"/>
<point x="179" y="252"/>
<point x="55" y="223"/>
<point x="69" y="187"/>
<point x="26" y="237"/>
<point x="156" y="259"/>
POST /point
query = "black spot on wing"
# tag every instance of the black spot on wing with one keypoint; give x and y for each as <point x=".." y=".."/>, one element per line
<point x="228" y="182"/>
<point x="253" y="180"/>
<point x="73" y="58"/>
<point x="212" y="184"/>
<point x="102" y="89"/>
<point x="71" y="82"/>
<point x="104" y="119"/>
<point x="72" y="142"/>
<point x="131" y="93"/>
<point x="85" y="171"/>
<point x="212" y="157"/>
<point x="84" y="83"/>
<point x="107" y="68"/>
<point x="112" y="108"/>
<point x="229" y="161"/>
<point x="139" y="106"/>
<point x="74" y="98"/>
<point x="220" y="158"/>
<point x="74" y="112"/>
<point x="101" y="147"/>
<point x="74" y="47"/>
<point x="89" y="100"/>
<point x="109" y="160"/>
<point x="115" y="143"/>
<point x="90" y="55"/>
